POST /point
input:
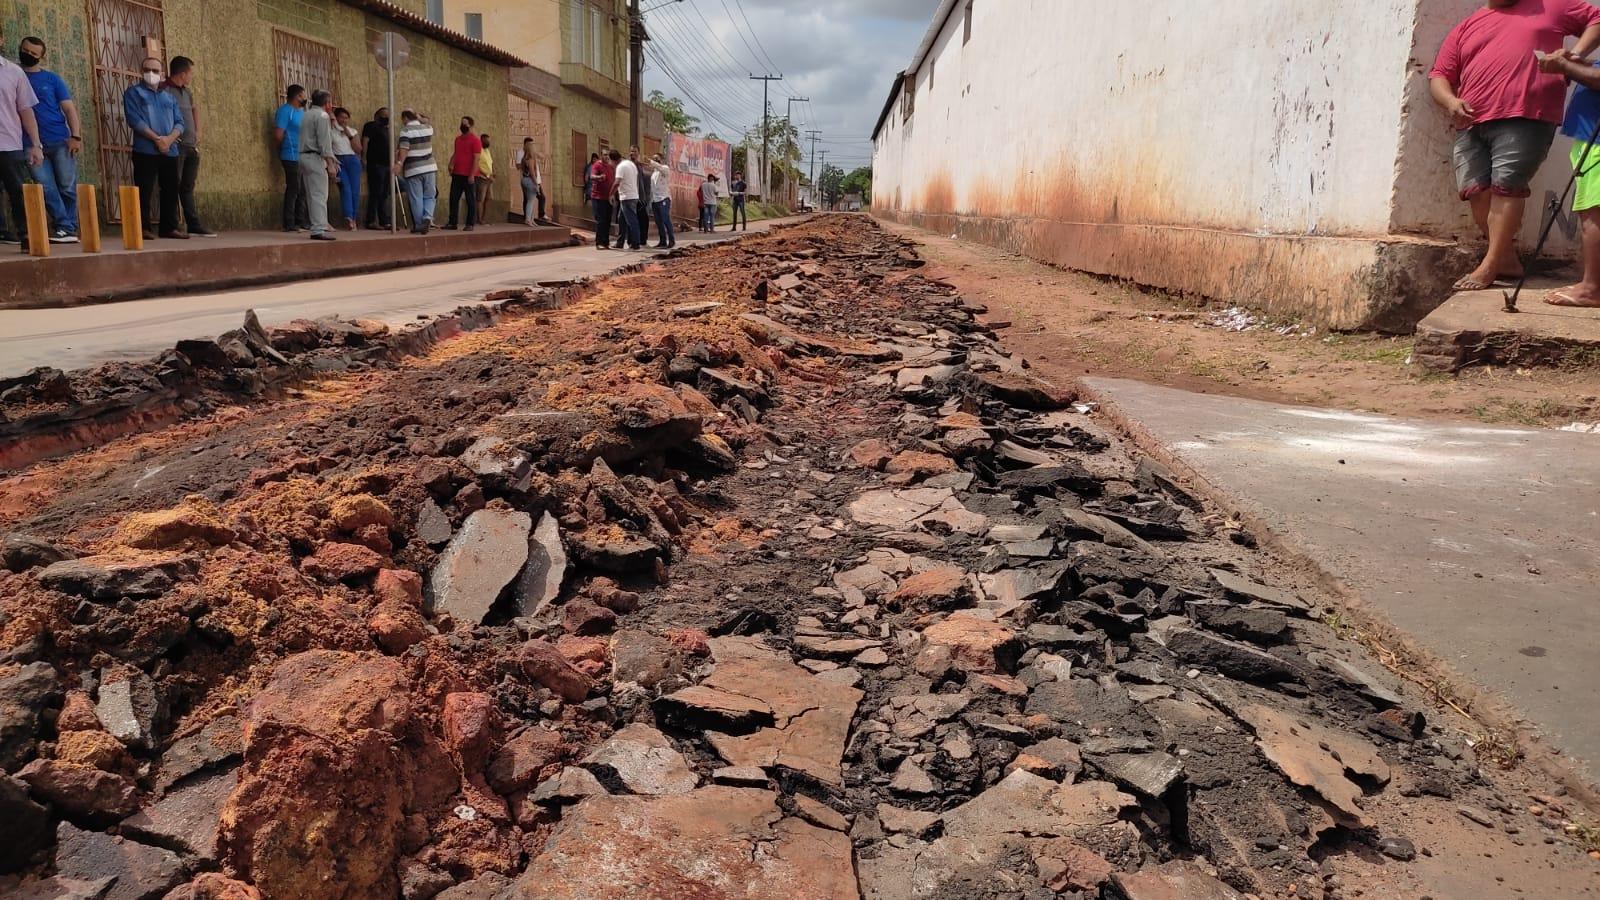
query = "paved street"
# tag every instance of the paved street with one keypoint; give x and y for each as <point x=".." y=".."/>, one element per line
<point x="82" y="336"/>
<point x="1481" y="543"/>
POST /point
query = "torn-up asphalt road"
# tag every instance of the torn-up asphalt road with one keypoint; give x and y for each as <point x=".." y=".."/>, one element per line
<point x="762" y="573"/>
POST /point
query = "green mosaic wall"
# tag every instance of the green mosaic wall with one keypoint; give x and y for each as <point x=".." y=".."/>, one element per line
<point x="236" y="85"/>
<point x="64" y="29"/>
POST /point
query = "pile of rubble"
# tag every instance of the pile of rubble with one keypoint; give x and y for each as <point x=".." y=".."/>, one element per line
<point x="765" y="574"/>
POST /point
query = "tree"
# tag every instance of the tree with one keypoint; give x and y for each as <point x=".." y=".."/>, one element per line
<point x="678" y="121"/>
<point x="831" y="183"/>
<point x="859" y="182"/>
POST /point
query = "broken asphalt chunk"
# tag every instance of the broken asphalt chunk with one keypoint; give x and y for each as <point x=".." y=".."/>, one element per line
<point x="481" y="560"/>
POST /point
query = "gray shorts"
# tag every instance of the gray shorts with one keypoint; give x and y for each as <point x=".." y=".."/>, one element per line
<point x="1501" y="156"/>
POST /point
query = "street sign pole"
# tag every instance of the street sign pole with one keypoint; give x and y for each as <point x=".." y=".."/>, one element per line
<point x="394" y="193"/>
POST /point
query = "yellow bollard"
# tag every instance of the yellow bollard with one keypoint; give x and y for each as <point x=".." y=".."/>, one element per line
<point x="38" y="221"/>
<point x="88" y="219"/>
<point x="132" y="227"/>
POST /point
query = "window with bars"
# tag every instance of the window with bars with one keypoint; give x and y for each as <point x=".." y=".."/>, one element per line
<point x="311" y="64"/>
<point x="580" y="158"/>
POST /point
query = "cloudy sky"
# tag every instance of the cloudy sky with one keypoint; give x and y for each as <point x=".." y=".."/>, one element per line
<point x="839" y="53"/>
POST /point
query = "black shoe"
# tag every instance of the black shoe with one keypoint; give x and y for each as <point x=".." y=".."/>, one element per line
<point x="202" y="232"/>
<point x="323" y="236"/>
<point x="450" y="227"/>
<point x="469" y="228"/>
<point x="8" y="238"/>
<point x="62" y="236"/>
<point x="175" y="235"/>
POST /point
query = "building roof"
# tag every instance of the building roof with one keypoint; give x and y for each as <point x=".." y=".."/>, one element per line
<point x="940" y="16"/>
<point x="385" y="9"/>
<point x="888" y="105"/>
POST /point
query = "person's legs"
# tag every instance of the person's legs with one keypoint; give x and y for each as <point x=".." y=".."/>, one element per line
<point x="430" y="198"/>
<point x="630" y="222"/>
<point x="538" y="193"/>
<point x="377" y="211"/>
<point x="292" y="189"/>
<point x="527" y="200"/>
<point x="13" y="163"/>
<point x="455" y="199"/>
<point x="469" y="190"/>
<point x="349" y="188"/>
<point x="58" y="175"/>
<point x="1516" y="149"/>
<point x="738" y="210"/>
<point x="146" y="174"/>
<point x="483" y="201"/>
<point x="188" y="176"/>
<point x="167" y="176"/>
<point x="1586" y="203"/>
<point x="413" y="186"/>
<point x="315" y="174"/>
<point x="602" y="224"/>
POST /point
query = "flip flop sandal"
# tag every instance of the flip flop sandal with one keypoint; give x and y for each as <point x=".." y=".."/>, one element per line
<point x="1563" y="298"/>
<point x="1471" y="284"/>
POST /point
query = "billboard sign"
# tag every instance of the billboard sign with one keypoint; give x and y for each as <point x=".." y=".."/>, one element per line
<point x="690" y="159"/>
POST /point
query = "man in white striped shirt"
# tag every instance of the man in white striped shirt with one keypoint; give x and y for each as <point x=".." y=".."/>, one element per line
<point x="419" y="171"/>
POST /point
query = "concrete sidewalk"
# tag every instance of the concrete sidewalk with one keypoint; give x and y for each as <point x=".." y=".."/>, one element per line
<point x="78" y="337"/>
<point x="71" y="276"/>
<point x="1483" y="544"/>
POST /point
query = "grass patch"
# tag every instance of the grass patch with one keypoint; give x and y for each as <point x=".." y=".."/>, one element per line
<point x="1497" y="747"/>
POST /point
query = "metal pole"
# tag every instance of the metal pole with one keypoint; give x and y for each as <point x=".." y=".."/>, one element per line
<point x="394" y="185"/>
<point x="821" y="200"/>
<point x="766" y="108"/>
<point x="636" y="69"/>
<point x="813" y="160"/>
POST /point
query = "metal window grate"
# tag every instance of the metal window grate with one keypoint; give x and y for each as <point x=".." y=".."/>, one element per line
<point x="122" y="34"/>
<point x="311" y="64"/>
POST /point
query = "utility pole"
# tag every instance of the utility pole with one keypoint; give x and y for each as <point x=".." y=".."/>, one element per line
<point x="788" y="121"/>
<point x="820" y="197"/>
<point x="766" y="107"/>
<point x="635" y="70"/>
<point x="814" y="191"/>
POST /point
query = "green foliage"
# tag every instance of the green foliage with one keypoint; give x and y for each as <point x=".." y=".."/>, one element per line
<point x="859" y="182"/>
<point x="678" y="121"/>
<point x="831" y="183"/>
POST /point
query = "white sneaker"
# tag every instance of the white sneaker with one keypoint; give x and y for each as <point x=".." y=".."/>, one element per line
<point x="61" y="237"/>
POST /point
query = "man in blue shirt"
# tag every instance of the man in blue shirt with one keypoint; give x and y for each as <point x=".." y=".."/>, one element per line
<point x="153" y="118"/>
<point x="61" y="138"/>
<point x="286" y="131"/>
<point x="1582" y="124"/>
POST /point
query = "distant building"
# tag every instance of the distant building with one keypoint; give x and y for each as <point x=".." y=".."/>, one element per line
<point x="849" y="203"/>
<point x="1281" y="155"/>
<point x="573" y="100"/>
<point x="246" y="52"/>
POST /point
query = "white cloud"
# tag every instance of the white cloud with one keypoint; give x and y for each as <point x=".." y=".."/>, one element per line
<point x="842" y="54"/>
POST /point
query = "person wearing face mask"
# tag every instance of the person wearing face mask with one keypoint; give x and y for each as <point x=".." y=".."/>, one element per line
<point x="286" y="131"/>
<point x="463" y="175"/>
<point x="62" y="140"/>
<point x="156" y="124"/>
<point x="17" y="121"/>
<point x="347" y="147"/>
<point x="375" y="137"/>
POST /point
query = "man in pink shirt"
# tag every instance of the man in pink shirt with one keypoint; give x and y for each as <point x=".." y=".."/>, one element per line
<point x="1506" y="111"/>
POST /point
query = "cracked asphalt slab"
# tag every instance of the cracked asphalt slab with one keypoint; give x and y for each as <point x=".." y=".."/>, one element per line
<point x="1052" y="672"/>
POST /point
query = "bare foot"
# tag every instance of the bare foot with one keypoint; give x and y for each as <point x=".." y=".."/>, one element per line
<point x="1577" y="295"/>
<point x="1479" y="279"/>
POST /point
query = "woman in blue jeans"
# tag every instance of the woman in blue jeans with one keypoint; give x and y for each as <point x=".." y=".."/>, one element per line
<point x="661" y="202"/>
<point x="347" y="146"/>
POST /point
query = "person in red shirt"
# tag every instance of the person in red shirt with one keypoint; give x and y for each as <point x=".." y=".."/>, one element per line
<point x="464" y="174"/>
<point x="602" y="180"/>
<point x="1506" y="111"/>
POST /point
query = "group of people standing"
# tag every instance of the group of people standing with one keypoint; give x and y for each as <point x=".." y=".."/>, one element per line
<point x="628" y="188"/>
<point x="317" y="146"/>
<point x="41" y="137"/>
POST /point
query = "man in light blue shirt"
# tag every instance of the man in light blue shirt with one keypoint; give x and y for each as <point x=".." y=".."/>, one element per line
<point x="286" y="131"/>
<point x="156" y="124"/>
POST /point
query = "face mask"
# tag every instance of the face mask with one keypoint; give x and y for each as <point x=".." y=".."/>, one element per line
<point x="383" y="120"/>
<point x="485" y="145"/>
<point x="27" y="60"/>
<point x="152" y="78"/>
<point x="465" y="129"/>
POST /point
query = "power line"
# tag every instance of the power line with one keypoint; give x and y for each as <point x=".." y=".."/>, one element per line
<point x="686" y="50"/>
<point x="740" y="6"/>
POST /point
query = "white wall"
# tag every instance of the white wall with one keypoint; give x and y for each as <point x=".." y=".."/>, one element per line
<point x="1285" y="117"/>
<point x="1252" y="115"/>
